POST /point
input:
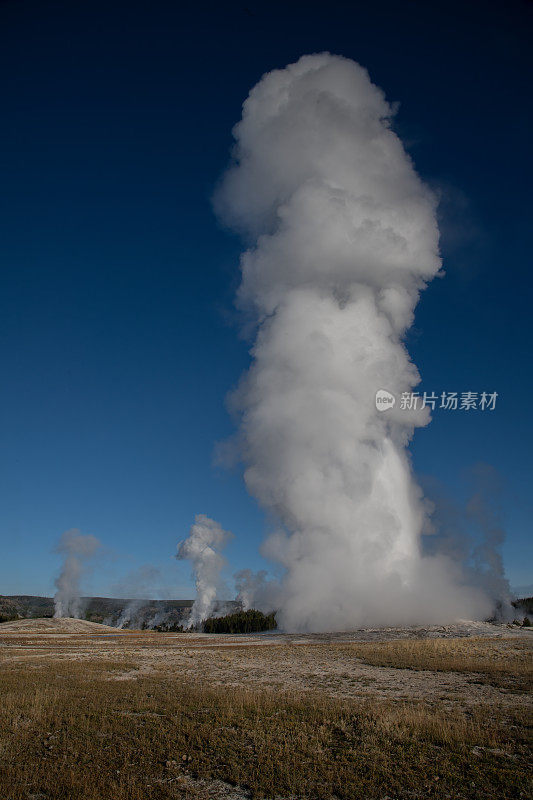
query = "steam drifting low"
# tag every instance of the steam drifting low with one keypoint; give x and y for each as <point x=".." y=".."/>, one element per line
<point x="77" y="549"/>
<point x="342" y="238"/>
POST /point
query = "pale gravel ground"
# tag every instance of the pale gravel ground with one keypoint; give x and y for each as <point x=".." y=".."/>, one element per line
<point x="297" y="662"/>
<point x="47" y="625"/>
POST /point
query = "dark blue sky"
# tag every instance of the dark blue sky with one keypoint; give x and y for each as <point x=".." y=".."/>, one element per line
<point x="117" y="336"/>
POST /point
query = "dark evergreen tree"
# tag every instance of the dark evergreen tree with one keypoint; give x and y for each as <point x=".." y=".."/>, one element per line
<point x="250" y="621"/>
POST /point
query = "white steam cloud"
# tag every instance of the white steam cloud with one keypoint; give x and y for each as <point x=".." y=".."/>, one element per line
<point x="139" y="582"/>
<point x="202" y="548"/>
<point x="77" y="549"/>
<point x="343" y="237"/>
<point x="254" y="590"/>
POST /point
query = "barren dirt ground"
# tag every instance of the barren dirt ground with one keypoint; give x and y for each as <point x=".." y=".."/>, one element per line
<point x="331" y="663"/>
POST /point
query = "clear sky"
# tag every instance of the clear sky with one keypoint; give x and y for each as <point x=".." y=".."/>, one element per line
<point x="118" y="338"/>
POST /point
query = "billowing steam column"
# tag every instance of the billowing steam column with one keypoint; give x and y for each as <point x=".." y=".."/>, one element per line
<point x="343" y="237"/>
<point x="202" y="548"/>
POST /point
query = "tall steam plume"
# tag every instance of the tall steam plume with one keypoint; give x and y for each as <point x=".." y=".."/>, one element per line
<point x="342" y="238"/>
<point x="77" y="549"/>
<point x="202" y="548"/>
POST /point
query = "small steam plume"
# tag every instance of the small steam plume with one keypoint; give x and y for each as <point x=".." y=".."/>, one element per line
<point x="202" y="548"/>
<point x="77" y="549"/>
<point x="141" y="581"/>
<point x="342" y="239"/>
<point x="483" y="512"/>
<point x="472" y="535"/>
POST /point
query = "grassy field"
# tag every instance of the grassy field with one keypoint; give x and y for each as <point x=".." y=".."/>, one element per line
<point x="509" y="666"/>
<point x="158" y="717"/>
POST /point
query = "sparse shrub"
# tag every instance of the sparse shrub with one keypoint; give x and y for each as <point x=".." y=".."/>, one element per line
<point x="526" y="622"/>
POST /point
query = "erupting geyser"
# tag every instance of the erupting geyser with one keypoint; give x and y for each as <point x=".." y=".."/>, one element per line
<point x="342" y="238"/>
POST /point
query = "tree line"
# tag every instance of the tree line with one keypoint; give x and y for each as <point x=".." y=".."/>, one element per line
<point x="250" y="621"/>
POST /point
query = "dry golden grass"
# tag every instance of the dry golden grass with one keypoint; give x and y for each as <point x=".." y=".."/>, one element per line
<point x="504" y="662"/>
<point x="69" y="731"/>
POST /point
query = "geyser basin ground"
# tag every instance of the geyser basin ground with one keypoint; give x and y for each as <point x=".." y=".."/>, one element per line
<point x="405" y="713"/>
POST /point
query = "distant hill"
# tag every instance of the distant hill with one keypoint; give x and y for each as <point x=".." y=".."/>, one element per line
<point x="108" y="610"/>
<point x="134" y="613"/>
<point x="23" y="606"/>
